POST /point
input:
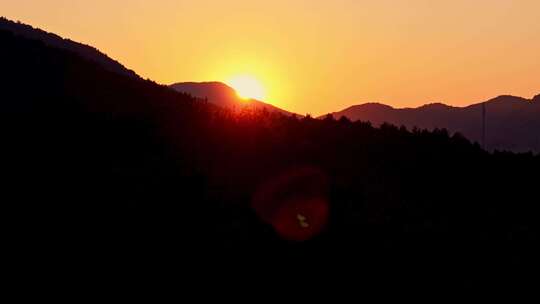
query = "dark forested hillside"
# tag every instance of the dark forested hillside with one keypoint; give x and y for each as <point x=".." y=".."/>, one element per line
<point x="85" y="51"/>
<point x="120" y="171"/>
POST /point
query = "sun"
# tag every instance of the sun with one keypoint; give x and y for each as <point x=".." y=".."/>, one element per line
<point x="247" y="87"/>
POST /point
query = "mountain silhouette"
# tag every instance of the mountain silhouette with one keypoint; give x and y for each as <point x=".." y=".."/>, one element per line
<point x="223" y="95"/>
<point x="512" y="123"/>
<point x="115" y="173"/>
<point x="50" y="39"/>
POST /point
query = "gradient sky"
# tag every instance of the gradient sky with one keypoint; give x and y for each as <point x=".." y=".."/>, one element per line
<point x="315" y="56"/>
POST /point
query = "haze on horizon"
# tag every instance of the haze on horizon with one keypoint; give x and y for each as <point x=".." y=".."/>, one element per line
<point x="315" y="56"/>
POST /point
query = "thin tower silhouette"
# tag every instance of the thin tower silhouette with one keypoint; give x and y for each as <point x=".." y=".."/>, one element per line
<point x="484" y="125"/>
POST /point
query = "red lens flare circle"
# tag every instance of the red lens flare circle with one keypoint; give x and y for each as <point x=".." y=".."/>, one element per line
<point x="294" y="203"/>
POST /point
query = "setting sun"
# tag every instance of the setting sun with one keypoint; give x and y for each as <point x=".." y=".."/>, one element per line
<point x="247" y="87"/>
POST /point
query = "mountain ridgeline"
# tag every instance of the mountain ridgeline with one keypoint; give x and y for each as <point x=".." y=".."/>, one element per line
<point x="85" y="51"/>
<point x="102" y="170"/>
<point x="511" y="123"/>
<point x="224" y="96"/>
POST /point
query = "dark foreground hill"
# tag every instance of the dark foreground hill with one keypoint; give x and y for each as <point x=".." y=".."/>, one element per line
<point x="107" y="177"/>
<point x="512" y="123"/>
<point x="85" y="51"/>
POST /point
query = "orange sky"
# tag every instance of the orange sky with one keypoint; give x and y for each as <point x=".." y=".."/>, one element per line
<point x="315" y="56"/>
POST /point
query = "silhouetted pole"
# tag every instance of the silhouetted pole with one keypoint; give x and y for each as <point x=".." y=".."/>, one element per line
<point x="484" y="126"/>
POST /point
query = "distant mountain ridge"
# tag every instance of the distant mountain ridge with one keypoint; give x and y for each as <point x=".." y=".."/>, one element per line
<point x="512" y="123"/>
<point x="50" y="39"/>
<point x="223" y="95"/>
